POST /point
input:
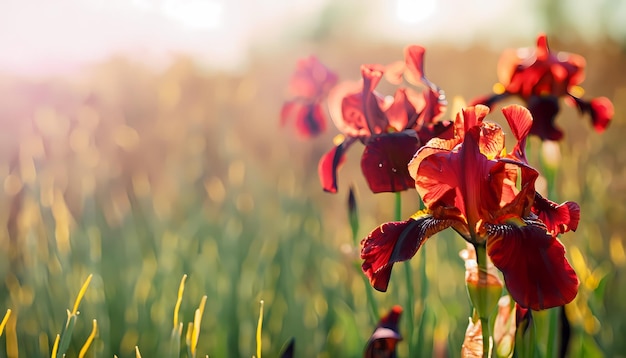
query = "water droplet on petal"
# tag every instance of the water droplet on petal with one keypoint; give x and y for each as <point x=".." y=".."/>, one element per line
<point x="380" y="165"/>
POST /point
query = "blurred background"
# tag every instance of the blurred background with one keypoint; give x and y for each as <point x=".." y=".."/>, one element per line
<point x="140" y="141"/>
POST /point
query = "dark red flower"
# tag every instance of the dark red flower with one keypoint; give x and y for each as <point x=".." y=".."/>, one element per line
<point x="309" y="86"/>
<point x="471" y="184"/>
<point x="540" y="77"/>
<point x="391" y="128"/>
<point x="382" y="343"/>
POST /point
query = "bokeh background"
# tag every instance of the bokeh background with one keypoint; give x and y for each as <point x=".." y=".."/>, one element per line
<point x="140" y="141"/>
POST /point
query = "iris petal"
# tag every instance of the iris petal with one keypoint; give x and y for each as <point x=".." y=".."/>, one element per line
<point x="329" y="165"/>
<point x="600" y="109"/>
<point x="393" y="242"/>
<point x="544" y="110"/>
<point x="384" y="161"/>
<point x="437" y="178"/>
<point x="559" y="218"/>
<point x="536" y="272"/>
<point x="520" y="120"/>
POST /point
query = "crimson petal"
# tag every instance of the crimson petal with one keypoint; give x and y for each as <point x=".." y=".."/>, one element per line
<point x="557" y="218"/>
<point x="536" y="272"/>
<point x="600" y="109"/>
<point x="393" y="242"/>
<point x="385" y="159"/>
<point x="330" y="163"/>
<point x="544" y="110"/>
<point x="520" y="120"/>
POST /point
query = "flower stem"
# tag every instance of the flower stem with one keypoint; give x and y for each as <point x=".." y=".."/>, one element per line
<point x="369" y="290"/>
<point x="353" y="217"/>
<point x="481" y="260"/>
<point x="409" y="281"/>
<point x="549" y="162"/>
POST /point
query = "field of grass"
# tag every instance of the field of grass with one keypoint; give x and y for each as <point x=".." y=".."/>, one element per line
<point x="138" y="176"/>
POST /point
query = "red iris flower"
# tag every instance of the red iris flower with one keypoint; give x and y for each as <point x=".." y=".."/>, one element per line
<point x="391" y="128"/>
<point x="540" y="77"/>
<point x="382" y="343"/>
<point x="470" y="183"/>
<point x="309" y="85"/>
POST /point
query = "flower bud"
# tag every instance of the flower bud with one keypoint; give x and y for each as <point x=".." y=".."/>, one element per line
<point x="483" y="286"/>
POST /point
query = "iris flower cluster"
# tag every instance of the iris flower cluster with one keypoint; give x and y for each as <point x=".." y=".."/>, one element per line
<point x="461" y="169"/>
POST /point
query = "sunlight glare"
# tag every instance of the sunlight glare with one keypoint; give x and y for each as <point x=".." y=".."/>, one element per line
<point x="412" y="12"/>
<point x="195" y="14"/>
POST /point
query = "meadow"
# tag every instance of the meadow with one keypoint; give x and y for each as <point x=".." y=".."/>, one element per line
<point x="138" y="175"/>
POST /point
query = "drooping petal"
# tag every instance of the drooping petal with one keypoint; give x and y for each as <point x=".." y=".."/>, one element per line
<point x="544" y="110"/>
<point x="558" y="218"/>
<point x="520" y="120"/>
<point x="601" y="113"/>
<point x="393" y="242"/>
<point x="329" y="165"/>
<point x="536" y="272"/>
<point x="309" y="118"/>
<point x="600" y="109"/>
<point x="385" y="159"/>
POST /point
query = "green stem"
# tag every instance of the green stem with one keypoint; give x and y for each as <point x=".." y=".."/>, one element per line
<point x="369" y="290"/>
<point x="553" y="336"/>
<point x="354" y="226"/>
<point x="481" y="260"/>
<point x="409" y="281"/>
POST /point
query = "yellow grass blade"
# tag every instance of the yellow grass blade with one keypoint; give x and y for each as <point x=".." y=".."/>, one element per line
<point x="81" y="293"/>
<point x="87" y="344"/>
<point x="181" y="290"/>
<point x="4" y="321"/>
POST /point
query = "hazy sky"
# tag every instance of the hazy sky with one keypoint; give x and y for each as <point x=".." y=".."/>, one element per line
<point x="41" y="36"/>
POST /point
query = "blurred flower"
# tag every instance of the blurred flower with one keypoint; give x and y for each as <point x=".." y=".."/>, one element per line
<point x="540" y="77"/>
<point x="391" y="128"/>
<point x="382" y="343"/>
<point x="469" y="183"/>
<point x="309" y="85"/>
